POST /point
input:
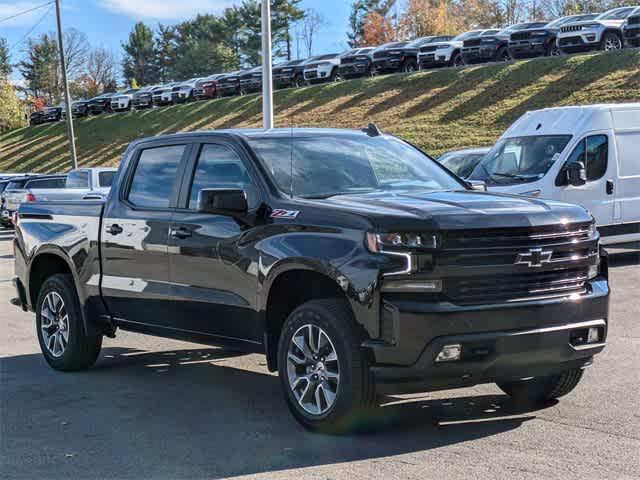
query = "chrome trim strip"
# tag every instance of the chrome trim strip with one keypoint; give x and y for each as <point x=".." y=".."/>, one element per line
<point x="407" y="256"/>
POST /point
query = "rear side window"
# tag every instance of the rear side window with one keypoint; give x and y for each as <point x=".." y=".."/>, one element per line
<point x="594" y="153"/>
<point x="155" y="176"/>
<point x="46" y="183"/>
<point x="106" y="178"/>
<point x="78" y="179"/>
<point x="16" y="185"/>
<point x="218" y="167"/>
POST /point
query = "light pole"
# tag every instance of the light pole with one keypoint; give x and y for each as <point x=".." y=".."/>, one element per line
<point x="267" y="79"/>
<point x="67" y="95"/>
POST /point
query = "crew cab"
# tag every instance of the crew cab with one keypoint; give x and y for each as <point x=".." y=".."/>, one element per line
<point x="288" y="74"/>
<point x="402" y="56"/>
<point x="323" y="68"/>
<point x="206" y="88"/>
<point x="352" y="260"/>
<point x="89" y="183"/>
<point x="586" y="155"/>
<point x="602" y="33"/>
<point x="541" y="41"/>
<point x="356" y="63"/>
<point x="492" y="46"/>
<point x="631" y="30"/>
<point x="250" y="80"/>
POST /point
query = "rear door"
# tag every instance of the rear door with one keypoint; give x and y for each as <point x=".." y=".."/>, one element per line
<point x="627" y="143"/>
<point x="597" y="152"/>
<point x="213" y="276"/>
<point x="135" y="233"/>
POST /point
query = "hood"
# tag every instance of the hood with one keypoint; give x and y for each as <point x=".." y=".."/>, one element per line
<point x="455" y="210"/>
<point x="606" y="23"/>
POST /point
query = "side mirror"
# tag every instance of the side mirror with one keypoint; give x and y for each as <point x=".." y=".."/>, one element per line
<point x="477" y="185"/>
<point x="222" y="201"/>
<point x="576" y="174"/>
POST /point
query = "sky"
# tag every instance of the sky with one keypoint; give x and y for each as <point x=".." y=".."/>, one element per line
<point x="108" y="22"/>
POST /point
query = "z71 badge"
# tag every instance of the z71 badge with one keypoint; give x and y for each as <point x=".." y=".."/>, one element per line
<point x="286" y="214"/>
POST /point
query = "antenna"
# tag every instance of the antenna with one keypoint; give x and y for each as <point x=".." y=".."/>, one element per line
<point x="372" y="130"/>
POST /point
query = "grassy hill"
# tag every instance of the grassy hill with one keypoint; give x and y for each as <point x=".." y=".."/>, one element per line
<point x="437" y="110"/>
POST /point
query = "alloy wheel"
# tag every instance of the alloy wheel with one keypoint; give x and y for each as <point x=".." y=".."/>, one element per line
<point x="54" y="324"/>
<point x="313" y="369"/>
<point x="612" y="42"/>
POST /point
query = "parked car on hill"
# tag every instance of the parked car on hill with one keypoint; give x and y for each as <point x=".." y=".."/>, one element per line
<point x="631" y="30"/>
<point x="123" y="101"/>
<point x="80" y="108"/>
<point x="444" y="53"/>
<point x="402" y="56"/>
<point x="356" y="63"/>
<point x="602" y="33"/>
<point x="162" y="95"/>
<point x="143" y="98"/>
<point x="207" y="87"/>
<point x="52" y="114"/>
<point x="36" y="118"/>
<point x="289" y="74"/>
<point x="363" y="270"/>
<point x="184" y="92"/>
<point x="100" y="104"/>
<point x="250" y="80"/>
<point x="323" y="68"/>
<point x="541" y="41"/>
<point x="462" y="162"/>
<point x="228" y="84"/>
<point x="491" y="46"/>
<point x="587" y="155"/>
<point x="89" y="183"/>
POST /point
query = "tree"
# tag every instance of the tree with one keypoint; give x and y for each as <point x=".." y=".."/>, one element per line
<point x="377" y="30"/>
<point x="101" y="72"/>
<point x="5" y="64"/>
<point x="40" y="68"/>
<point x="309" y="26"/>
<point x="359" y="11"/>
<point x="76" y="51"/>
<point x="284" y="13"/>
<point x="431" y="17"/>
<point x="140" y="60"/>
<point x="11" y="111"/>
<point x="166" y="50"/>
<point x="233" y="24"/>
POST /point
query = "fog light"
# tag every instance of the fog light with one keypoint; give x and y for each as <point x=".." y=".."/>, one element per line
<point x="594" y="335"/>
<point x="593" y="271"/>
<point x="450" y="353"/>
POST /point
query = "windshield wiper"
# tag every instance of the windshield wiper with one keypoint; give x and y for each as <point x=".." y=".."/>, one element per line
<point x="509" y="175"/>
<point x="322" y="196"/>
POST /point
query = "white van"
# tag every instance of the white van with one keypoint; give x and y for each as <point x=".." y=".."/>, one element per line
<point x="589" y="155"/>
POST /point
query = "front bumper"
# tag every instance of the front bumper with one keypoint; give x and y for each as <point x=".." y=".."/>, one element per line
<point x="479" y="54"/>
<point x="583" y="41"/>
<point x="499" y="342"/>
<point x="354" y="69"/>
<point x="631" y="36"/>
<point x="391" y="64"/>
<point x="432" y="60"/>
<point x="527" y="49"/>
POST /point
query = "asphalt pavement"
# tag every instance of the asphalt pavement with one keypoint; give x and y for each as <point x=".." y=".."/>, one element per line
<point x="155" y="408"/>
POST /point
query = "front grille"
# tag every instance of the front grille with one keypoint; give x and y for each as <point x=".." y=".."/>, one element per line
<point x="635" y="20"/>
<point x="428" y="48"/>
<point x="311" y="73"/>
<point x="501" y="288"/>
<point x="349" y="60"/>
<point x="381" y="54"/>
<point x="570" y="41"/>
<point x="520" y="36"/>
<point x="571" y="28"/>
<point x="474" y="42"/>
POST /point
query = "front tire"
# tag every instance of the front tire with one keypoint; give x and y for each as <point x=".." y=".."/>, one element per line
<point x="60" y="328"/>
<point x="503" y="55"/>
<point x="457" y="61"/>
<point x="409" y="66"/>
<point x="539" y="390"/>
<point x="323" y="371"/>
<point x="610" y="42"/>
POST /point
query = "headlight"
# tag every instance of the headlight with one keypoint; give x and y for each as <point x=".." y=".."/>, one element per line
<point x="591" y="25"/>
<point x="538" y="34"/>
<point x="440" y="47"/>
<point x="489" y="40"/>
<point x="381" y="242"/>
<point x="395" y="52"/>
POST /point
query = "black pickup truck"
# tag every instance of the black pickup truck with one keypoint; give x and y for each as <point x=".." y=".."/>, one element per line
<point x="351" y="259"/>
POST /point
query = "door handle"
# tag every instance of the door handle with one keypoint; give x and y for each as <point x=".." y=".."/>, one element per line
<point x="180" y="232"/>
<point x="609" y="187"/>
<point x="114" y="229"/>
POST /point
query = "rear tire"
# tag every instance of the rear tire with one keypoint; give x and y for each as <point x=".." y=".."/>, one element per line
<point x="60" y="327"/>
<point x="542" y="389"/>
<point x="503" y="55"/>
<point x="324" y="373"/>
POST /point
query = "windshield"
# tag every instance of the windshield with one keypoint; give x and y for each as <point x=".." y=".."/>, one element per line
<point x="462" y="164"/>
<point x="465" y="35"/>
<point x="616" y="14"/>
<point x="520" y="159"/>
<point x="325" y="165"/>
<point x="420" y="41"/>
<point x="489" y="32"/>
<point x="564" y="20"/>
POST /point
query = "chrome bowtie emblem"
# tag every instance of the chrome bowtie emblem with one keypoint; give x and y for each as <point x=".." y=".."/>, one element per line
<point x="535" y="257"/>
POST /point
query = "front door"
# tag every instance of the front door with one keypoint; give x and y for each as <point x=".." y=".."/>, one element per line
<point x="213" y="277"/>
<point x="135" y="234"/>
<point x="598" y="193"/>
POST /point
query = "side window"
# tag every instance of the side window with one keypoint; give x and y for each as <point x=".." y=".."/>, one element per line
<point x="155" y="176"/>
<point x="78" y="179"/>
<point x="593" y="152"/>
<point x="48" y="183"/>
<point x="106" y="178"/>
<point x="218" y="167"/>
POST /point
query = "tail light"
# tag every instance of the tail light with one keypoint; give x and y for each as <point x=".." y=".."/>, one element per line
<point x="29" y="197"/>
